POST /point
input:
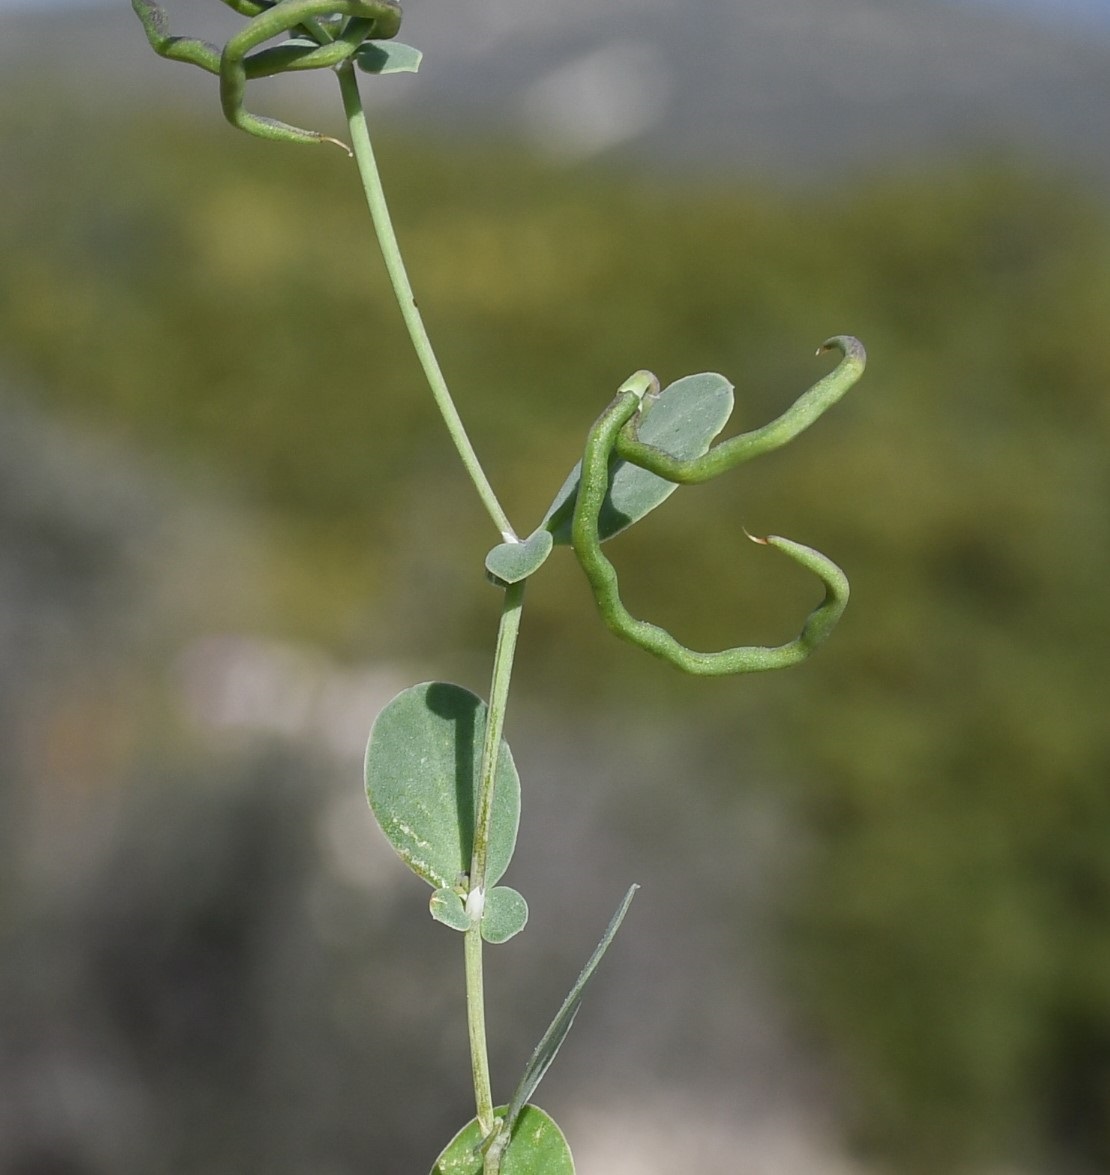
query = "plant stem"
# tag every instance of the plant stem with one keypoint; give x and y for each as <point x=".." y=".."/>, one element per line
<point x="507" y="632"/>
<point x="402" y="288"/>
<point x="476" y="1026"/>
<point x="511" y="608"/>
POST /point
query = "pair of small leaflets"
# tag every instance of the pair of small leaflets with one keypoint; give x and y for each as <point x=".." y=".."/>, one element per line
<point x="527" y="1141"/>
<point x="422" y="769"/>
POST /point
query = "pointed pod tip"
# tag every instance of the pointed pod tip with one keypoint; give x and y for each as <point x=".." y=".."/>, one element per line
<point x="762" y="540"/>
<point x="848" y="345"/>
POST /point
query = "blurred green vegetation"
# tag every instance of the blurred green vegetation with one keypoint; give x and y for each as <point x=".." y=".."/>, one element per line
<point x="219" y="302"/>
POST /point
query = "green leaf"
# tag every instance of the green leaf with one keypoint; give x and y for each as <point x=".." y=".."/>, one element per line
<point x="512" y="562"/>
<point x="505" y="914"/>
<point x="447" y="907"/>
<point x="422" y="765"/>
<point x="536" y="1148"/>
<point x="552" y="1039"/>
<point x="387" y="57"/>
<point x="683" y="420"/>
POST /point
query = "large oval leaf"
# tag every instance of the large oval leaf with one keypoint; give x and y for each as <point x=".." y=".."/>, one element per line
<point x="683" y="421"/>
<point x="537" y="1148"/>
<point x="422" y="764"/>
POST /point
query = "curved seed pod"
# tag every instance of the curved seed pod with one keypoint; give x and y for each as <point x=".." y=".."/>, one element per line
<point x="323" y="47"/>
<point x="380" y="18"/>
<point x="736" y="450"/>
<point x="192" y="50"/>
<point x="601" y="442"/>
<point x="250" y="7"/>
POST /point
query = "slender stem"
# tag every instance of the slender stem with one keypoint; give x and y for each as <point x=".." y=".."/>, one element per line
<point x="511" y="607"/>
<point x="507" y="633"/>
<point x="476" y="1025"/>
<point x="395" y="266"/>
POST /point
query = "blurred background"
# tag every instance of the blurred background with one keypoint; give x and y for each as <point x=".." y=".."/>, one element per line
<point x="873" y="931"/>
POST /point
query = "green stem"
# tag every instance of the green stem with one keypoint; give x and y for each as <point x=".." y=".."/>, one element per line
<point x="476" y="1025"/>
<point x="511" y="607"/>
<point x="395" y="266"/>
<point x="507" y="632"/>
